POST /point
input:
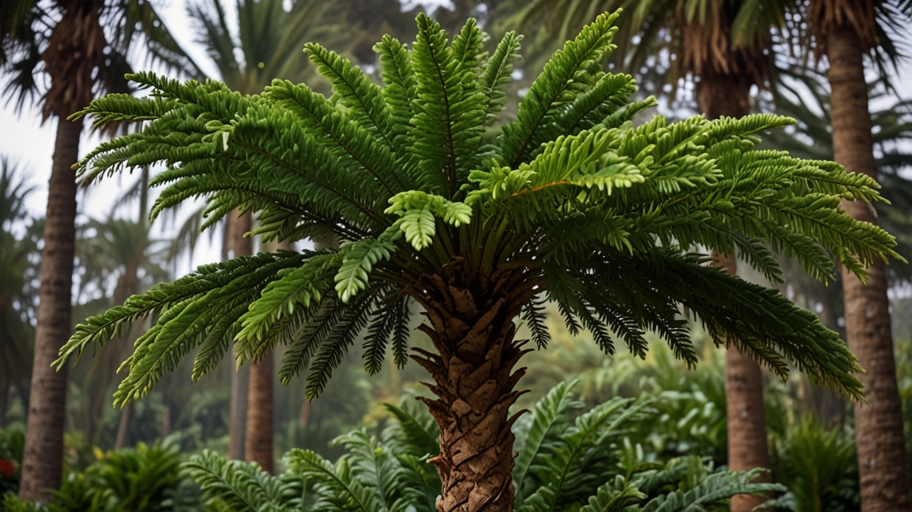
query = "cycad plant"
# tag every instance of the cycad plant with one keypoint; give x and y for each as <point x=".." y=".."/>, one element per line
<point x="570" y="203"/>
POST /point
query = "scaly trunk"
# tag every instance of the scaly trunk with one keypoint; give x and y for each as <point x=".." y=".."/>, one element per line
<point x="471" y="326"/>
<point x="878" y="424"/>
<point x="722" y="95"/>
<point x="43" y="457"/>
<point x="234" y="245"/>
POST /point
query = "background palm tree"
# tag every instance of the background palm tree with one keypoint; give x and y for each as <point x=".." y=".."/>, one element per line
<point x="844" y="32"/>
<point x="82" y="48"/>
<point x="266" y="44"/>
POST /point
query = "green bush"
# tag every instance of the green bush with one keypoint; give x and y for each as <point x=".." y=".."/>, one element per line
<point x="568" y="460"/>
<point x="141" y="479"/>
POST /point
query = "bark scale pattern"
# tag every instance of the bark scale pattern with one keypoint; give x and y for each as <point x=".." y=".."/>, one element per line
<point x="471" y="325"/>
<point x="879" y="428"/>
<point x="42" y="461"/>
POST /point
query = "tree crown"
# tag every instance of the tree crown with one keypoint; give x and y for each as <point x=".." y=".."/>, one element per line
<point x="582" y="206"/>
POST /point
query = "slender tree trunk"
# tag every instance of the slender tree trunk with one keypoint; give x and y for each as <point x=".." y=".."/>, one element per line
<point x="471" y="326"/>
<point x="259" y="414"/>
<point x="43" y="458"/>
<point x="260" y="397"/>
<point x="235" y="245"/>
<point x="722" y="95"/>
<point x="878" y="424"/>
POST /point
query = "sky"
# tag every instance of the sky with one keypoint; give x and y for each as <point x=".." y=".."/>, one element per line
<point x="23" y="139"/>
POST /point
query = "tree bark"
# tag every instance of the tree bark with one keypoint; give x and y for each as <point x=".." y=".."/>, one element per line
<point x="471" y="325"/>
<point x="721" y="95"/>
<point x="43" y="457"/>
<point x="259" y="414"/>
<point x="878" y="424"/>
<point x="235" y="245"/>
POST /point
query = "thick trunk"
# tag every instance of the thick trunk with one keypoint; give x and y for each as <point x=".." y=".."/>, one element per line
<point x="235" y="245"/>
<point x="471" y="326"/>
<point x="878" y="424"/>
<point x="259" y="414"/>
<point x="42" y="461"/>
<point x="721" y="95"/>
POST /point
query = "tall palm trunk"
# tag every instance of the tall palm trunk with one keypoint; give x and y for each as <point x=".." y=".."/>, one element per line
<point x="43" y="457"/>
<point x="259" y="445"/>
<point x="878" y="424"/>
<point x="471" y="325"/>
<point x="727" y="95"/>
<point x="260" y="397"/>
<point x="236" y="245"/>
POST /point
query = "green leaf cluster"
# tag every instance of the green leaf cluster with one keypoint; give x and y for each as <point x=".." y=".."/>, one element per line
<point x="606" y="216"/>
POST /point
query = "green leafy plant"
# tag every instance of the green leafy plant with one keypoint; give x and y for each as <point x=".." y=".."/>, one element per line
<point x="569" y="461"/>
<point x="571" y="202"/>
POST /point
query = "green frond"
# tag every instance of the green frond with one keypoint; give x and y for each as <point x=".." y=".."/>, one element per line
<point x="292" y="289"/>
<point x="449" y="107"/>
<point x="238" y="485"/>
<point x="566" y="76"/>
<point x="363" y="98"/>
<point x="498" y="73"/>
<point x="340" y="490"/>
<point x="549" y="419"/>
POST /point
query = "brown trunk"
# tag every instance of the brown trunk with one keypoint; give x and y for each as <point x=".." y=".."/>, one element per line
<point x="878" y="424"/>
<point x="259" y="442"/>
<point x="721" y="95"/>
<point x="235" y="245"/>
<point x="43" y="458"/>
<point x="471" y="326"/>
<point x="259" y="414"/>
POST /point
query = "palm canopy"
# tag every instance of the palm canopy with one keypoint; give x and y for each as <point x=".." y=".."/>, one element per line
<point x="45" y="36"/>
<point x="268" y="41"/>
<point x="572" y="203"/>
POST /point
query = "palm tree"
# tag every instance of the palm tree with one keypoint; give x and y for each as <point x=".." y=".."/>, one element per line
<point x="82" y="47"/>
<point x="722" y="45"/>
<point x="270" y="41"/>
<point x="120" y="255"/>
<point x="845" y="32"/>
<point x="17" y="298"/>
<point x="570" y="203"/>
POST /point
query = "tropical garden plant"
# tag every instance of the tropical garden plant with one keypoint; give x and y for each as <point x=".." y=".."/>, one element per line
<point x="570" y="203"/>
<point x="569" y="460"/>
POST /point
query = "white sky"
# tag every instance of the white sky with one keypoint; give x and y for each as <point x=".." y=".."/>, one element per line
<point x="24" y="140"/>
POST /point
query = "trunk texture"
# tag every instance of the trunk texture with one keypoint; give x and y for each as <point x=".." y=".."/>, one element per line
<point x="878" y="424"/>
<point x="722" y="95"/>
<point x="43" y="458"/>
<point x="259" y="414"/>
<point x="259" y="443"/>
<point x="235" y="245"/>
<point x="471" y="326"/>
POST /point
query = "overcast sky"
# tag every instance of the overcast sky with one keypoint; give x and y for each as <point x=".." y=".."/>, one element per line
<point x="24" y="140"/>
